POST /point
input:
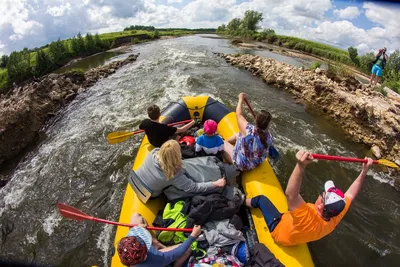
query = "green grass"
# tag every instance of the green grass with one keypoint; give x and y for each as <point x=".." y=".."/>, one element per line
<point x="3" y="78"/>
<point x="314" y="65"/>
<point x="315" y="48"/>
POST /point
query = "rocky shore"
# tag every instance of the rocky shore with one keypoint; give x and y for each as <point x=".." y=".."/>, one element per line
<point x="25" y="109"/>
<point x="364" y="114"/>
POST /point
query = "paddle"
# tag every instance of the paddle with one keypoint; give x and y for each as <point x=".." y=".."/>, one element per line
<point x="272" y="152"/>
<point x="339" y="158"/>
<point x="118" y="137"/>
<point x="75" y="214"/>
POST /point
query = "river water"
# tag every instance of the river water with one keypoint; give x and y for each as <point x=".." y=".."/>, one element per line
<point x="74" y="164"/>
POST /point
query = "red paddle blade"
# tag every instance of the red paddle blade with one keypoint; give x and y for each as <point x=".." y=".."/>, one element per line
<point x="72" y="213"/>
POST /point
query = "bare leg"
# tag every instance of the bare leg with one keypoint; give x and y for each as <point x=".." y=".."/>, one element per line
<point x="248" y="202"/>
<point x="377" y="80"/>
<point x="371" y="79"/>
<point x="137" y="218"/>
<point x="232" y="139"/>
<point x="179" y="262"/>
<point x="227" y="153"/>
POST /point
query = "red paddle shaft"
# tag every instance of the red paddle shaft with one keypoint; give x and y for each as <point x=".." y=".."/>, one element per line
<point x="339" y="158"/>
<point x="170" y="124"/>
<point x="75" y="214"/>
<point x="248" y="105"/>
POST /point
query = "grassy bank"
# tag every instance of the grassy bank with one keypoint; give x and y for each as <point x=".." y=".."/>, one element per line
<point x="40" y="61"/>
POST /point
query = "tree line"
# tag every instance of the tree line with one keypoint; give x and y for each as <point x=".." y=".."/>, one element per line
<point x="20" y="65"/>
<point x="140" y="27"/>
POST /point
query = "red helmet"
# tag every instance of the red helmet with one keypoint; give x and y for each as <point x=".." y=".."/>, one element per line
<point x="189" y="140"/>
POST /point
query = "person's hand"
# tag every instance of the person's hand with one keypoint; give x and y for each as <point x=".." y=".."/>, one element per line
<point x="242" y="96"/>
<point x="303" y="158"/>
<point x="366" y="166"/>
<point x="220" y="182"/>
<point x="196" y="231"/>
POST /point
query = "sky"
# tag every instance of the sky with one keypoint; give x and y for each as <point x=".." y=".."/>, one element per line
<point x="367" y="26"/>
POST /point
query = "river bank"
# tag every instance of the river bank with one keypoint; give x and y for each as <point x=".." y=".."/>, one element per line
<point x="365" y="115"/>
<point x="25" y="109"/>
<point x="297" y="54"/>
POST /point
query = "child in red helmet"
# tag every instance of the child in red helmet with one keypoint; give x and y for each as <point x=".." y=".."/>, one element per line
<point x="210" y="142"/>
<point x="138" y="248"/>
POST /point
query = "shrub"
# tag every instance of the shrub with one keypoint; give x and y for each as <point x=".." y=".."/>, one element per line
<point x="314" y="65"/>
<point x="135" y="40"/>
<point x="76" y="71"/>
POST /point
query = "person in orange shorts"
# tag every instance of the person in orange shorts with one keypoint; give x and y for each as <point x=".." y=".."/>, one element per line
<point x="306" y="222"/>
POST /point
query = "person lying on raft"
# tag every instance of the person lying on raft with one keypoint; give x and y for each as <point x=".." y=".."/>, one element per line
<point x="163" y="167"/>
<point x="158" y="133"/>
<point x="306" y="222"/>
<point x="140" y="249"/>
<point x="251" y="143"/>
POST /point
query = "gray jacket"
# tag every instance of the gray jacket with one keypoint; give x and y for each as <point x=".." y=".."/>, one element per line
<point x="151" y="174"/>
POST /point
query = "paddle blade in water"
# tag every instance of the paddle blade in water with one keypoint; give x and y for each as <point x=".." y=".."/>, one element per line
<point x="118" y="137"/>
<point x="72" y="213"/>
<point x="388" y="163"/>
<point x="273" y="153"/>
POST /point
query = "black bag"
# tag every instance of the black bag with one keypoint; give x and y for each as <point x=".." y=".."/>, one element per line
<point x="188" y="151"/>
<point x="260" y="256"/>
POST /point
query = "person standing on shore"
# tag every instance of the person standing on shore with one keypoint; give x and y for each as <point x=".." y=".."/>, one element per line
<point x="379" y="65"/>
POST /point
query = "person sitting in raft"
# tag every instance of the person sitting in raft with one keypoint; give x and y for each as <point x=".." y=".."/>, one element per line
<point x="163" y="167"/>
<point x="140" y="249"/>
<point x="251" y="143"/>
<point x="158" y="133"/>
<point x="210" y="142"/>
<point x="306" y="222"/>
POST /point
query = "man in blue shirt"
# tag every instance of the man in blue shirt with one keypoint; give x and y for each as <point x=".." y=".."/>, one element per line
<point x="138" y="248"/>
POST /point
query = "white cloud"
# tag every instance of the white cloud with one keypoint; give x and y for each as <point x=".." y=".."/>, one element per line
<point x="350" y="12"/>
<point x="386" y="15"/>
<point x="58" y="11"/>
<point x="37" y="22"/>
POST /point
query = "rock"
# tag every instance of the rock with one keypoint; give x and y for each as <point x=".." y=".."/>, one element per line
<point x="376" y="151"/>
<point x="26" y="109"/>
<point x="317" y="70"/>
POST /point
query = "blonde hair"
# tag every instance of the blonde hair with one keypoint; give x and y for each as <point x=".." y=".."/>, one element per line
<point x="169" y="157"/>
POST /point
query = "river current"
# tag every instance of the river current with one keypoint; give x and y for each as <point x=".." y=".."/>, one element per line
<point x="74" y="164"/>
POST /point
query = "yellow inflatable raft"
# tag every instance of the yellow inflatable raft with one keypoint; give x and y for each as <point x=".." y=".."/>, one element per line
<point x="261" y="180"/>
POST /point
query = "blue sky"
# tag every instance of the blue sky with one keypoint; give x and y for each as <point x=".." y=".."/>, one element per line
<point x="362" y="24"/>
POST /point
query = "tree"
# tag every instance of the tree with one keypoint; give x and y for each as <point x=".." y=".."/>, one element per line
<point x="392" y="69"/>
<point x="3" y="61"/>
<point x="19" y="66"/>
<point x="156" y="34"/>
<point x="233" y="26"/>
<point x="58" y="51"/>
<point x="90" y="45"/>
<point x="98" y="42"/>
<point x="353" y="55"/>
<point x="251" y="20"/>
<point x="43" y="63"/>
<point x="366" y="62"/>
<point x="221" y="28"/>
